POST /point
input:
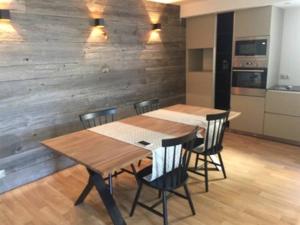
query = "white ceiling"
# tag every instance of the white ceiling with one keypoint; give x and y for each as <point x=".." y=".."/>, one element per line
<point x="200" y="7"/>
<point x="281" y="3"/>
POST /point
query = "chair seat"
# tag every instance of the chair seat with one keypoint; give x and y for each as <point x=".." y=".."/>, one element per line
<point x="198" y="146"/>
<point x="199" y="150"/>
<point x="163" y="183"/>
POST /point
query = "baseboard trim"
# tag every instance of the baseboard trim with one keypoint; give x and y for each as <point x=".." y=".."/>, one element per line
<point x="265" y="137"/>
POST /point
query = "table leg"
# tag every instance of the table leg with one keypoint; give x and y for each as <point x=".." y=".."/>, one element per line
<point x="85" y="191"/>
<point x="107" y="198"/>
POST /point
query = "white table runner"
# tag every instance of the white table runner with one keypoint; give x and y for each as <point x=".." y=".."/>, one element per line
<point x="132" y="135"/>
<point x="178" y="117"/>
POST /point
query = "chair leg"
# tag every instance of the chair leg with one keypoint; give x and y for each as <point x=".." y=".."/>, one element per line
<point x="217" y="168"/>
<point x="159" y="194"/>
<point x="110" y="184"/>
<point x="133" y="169"/>
<point x="222" y="165"/>
<point x="134" y="173"/>
<point x="140" y="162"/>
<point x="165" y="207"/>
<point x="188" y="195"/>
<point x="196" y="161"/>
<point x="206" y="173"/>
<point x="140" y="185"/>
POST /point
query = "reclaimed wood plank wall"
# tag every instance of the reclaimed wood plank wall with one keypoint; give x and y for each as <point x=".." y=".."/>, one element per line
<point x="55" y="66"/>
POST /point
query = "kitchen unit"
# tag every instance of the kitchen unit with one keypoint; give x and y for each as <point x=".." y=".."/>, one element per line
<point x="223" y="60"/>
<point x="209" y="54"/>
<point x="282" y="114"/>
<point x="256" y="59"/>
<point x="200" y="60"/>
<point x="233" y="61"/>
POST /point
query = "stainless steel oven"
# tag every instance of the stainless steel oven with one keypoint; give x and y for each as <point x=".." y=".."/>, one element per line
<point x="249" y="81"/>
<point x="257" y="46"/>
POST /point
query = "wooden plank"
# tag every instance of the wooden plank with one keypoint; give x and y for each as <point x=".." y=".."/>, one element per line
<point x="51" y="72"/>
<point x="255" y="166"/>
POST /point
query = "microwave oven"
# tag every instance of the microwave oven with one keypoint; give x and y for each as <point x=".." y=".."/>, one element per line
<point x="251" y="47"/>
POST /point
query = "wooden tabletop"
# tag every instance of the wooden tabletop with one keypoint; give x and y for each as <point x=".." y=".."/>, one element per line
<point x="103" y="154"/>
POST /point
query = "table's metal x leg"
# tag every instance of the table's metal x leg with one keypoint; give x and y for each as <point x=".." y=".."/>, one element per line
<point x="85" y="191"/>
<point x="107" y="199"/>
<point x="97" y="180"/>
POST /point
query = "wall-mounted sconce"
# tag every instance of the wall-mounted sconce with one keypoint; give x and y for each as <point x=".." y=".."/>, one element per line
<point x="98" y="31"/>
<point x="156" y="27"/>
<point x="97" y="22"/>
<point x="4" y="14"/>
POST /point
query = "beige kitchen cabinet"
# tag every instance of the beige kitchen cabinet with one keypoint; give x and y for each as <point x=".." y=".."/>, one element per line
<point x="200" y="60"/>
<point x="200" y="32"/>
<point x="283" y="102"/>
<point x="282" y="126"/>
<point x="252" y="117"/>
<point x="199" y="89"/>
<point x="282" y="117"/>
<point x="253" y="22"/>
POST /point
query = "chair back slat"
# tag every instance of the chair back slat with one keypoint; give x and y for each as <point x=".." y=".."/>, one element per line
<point x="92" y="119"/>
<point x="216" y="125"/>
<point x="146" y="106"/>
<point x="177" y="154"/>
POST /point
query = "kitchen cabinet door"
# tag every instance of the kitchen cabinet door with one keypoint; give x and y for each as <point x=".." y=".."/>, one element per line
<point x="253" y="22"/>
<point x="199" y="88"/>
<point x="200" y="32"/>
<point x="252" y="109"/>
<point x="282" y="126"/>
<point x="283" y="102"/>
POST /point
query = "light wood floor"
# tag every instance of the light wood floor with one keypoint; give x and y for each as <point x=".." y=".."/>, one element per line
<point x="263" y="188"/>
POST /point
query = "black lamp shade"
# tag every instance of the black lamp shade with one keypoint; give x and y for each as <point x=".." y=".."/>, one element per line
<point x="4" y="14"/>
<point x="156" y="26"/>
<point x="98" y="22"/>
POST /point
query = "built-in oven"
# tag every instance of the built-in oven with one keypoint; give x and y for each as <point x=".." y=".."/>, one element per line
<point x="249" y="81"/>
<point x="257" y="46"/>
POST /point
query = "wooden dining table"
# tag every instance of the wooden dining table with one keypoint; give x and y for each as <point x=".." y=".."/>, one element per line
<point x="103" y="155"/>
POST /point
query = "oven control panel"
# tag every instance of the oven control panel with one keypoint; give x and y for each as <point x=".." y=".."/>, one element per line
<point x="250" y="62"/>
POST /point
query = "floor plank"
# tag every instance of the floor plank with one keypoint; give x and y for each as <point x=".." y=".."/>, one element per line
<point x="263" y="188"/>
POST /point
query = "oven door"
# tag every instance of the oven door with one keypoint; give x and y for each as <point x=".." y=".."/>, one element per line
<point x="249" y="81"/>
<point x="251" y="47"/>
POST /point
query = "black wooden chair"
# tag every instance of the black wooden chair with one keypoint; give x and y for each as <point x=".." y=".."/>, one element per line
<point x="213" y="145"/>
<point x="93" y="119"/>
<point x="170" y="181"/>
<point x="146" y="106"/>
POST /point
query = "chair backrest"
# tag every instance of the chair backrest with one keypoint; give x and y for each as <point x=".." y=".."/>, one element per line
<point x="177" y="155"/>
<point x="216" y="125"/>
<point x="92" y="119"/>
<point x="146" y="106"/>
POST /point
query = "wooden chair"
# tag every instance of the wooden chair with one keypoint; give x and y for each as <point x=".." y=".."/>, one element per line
<point x="170" y="181"/>
<point x="146" y="106"/>
<point x="93" y="119"/>
<point x="213" y="145"/>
